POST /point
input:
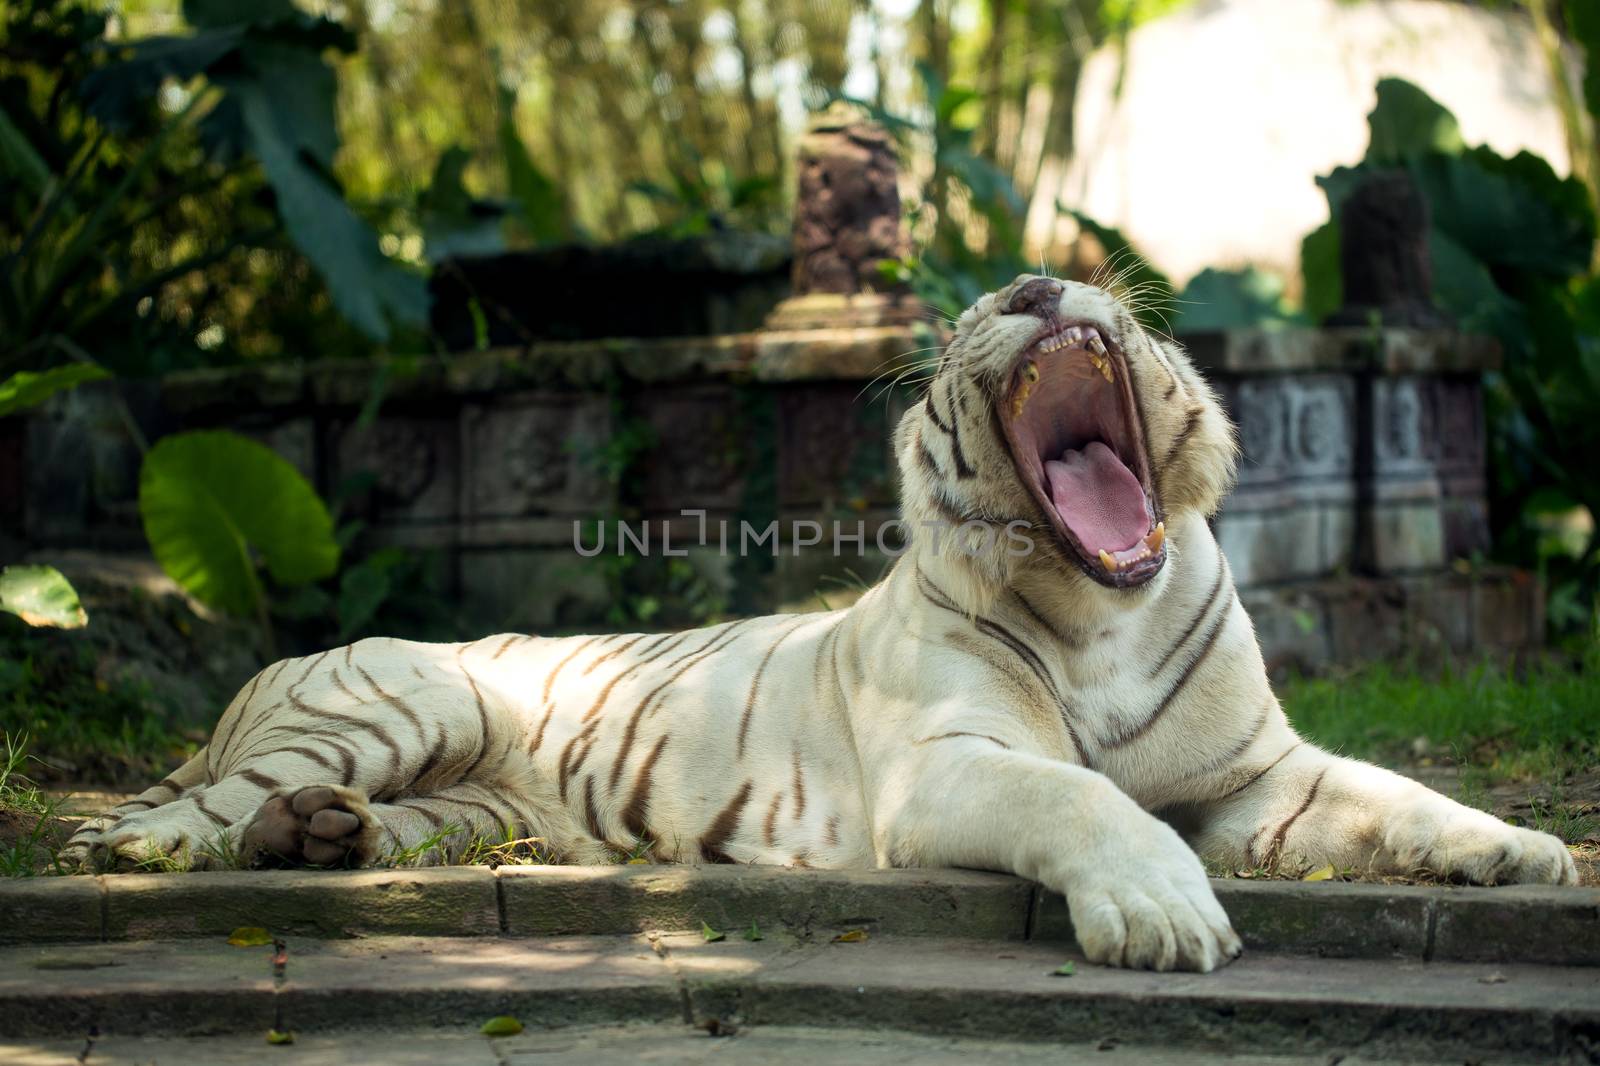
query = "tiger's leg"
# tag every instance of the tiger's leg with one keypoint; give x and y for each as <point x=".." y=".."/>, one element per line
<point x="363" y="718"/>
<point x="330" y="825"/>
<point x="78" y="850"/>
<point x="1289" y="801"/>
<point x="1138" y="895"/>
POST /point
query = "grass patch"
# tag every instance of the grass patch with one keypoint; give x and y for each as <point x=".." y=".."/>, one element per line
<point x="1524" y="746"/>
<point x="1540" y="723"/>
<point x="31" y="835"/>
<point x="84" y="727"/>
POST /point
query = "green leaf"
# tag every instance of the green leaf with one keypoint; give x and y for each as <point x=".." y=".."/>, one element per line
<point x="363" y="589"/>
<point x="711" y="935"/>
<point x="503" y="1025"/>
<point x="1507" y="212"/>
<point x="366" y="287"/>
<point x="249" y="936"/>
<point x="210" y="499"/>
<point x="1064" y="970"/>
<point x="1229" y="299"/>
<point x="1133" y="270"/>
<point x="40" y="596"/>
<point x="1320" y="273"/>
<point x="453" y="222"/>
<point x="26" y="389"/>
<point x="543" y="211"/>
<point x="1321" y="873"/>
<point x="754" y="932"/>
<point x="275" y="1037"/>
<point x="19" y="160"/>
<point x="1407" y="123"/>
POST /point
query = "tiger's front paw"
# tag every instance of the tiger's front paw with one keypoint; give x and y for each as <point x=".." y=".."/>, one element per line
<point x="1458" y="842"/>
<point x="1141" y="899"/>
<point x="321" y="825"/>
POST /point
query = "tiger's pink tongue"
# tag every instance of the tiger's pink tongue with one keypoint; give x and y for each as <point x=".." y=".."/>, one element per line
<point x="1098" y="498"/>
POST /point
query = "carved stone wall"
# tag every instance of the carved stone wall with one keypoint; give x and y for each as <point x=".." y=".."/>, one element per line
<point x="1361" y="487"/>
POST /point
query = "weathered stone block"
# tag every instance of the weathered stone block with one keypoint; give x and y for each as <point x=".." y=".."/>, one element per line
<point x="532" y="590"/>
<point x="536" y="454"/>
<point x="411" y="464"/>
<point x="1515" y="923"/>
<point x="1274" y="546"/>
<point x="1507" y="613"/>
<point x="46" y="909"/>
<point x="830" y="447"/>
<point x="1291" y="626"/>
<point x="554" y="900"/>
<point x="294" y="441"/>
<point x="456" y="901"/>
<point x="700" y="448"/>
<point x="1406" y="538"/>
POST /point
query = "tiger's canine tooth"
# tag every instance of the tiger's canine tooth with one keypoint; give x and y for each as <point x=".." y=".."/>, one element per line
<point x="1107" y="561"/>
<point x="1157" y="536"/>
<point x="1105" y="370"/>
<point x="1095" y="344"/>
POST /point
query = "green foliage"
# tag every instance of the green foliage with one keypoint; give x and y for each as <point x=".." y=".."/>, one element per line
<point x="213" y="501"/>
<point x="84" y="726"/>
<point x="1511" y="244"/>
<point x="168" y="201"/>
<point x="453" y="221"/>
<point x="1379" y="711"/>
<point x="40" y="596"/>
<point x="708" y="195"/>
<point x="1225" y="299"/>
<point x="25" y="389"/>
<point x="33" y="838"/>
<point x="541" y="208"/>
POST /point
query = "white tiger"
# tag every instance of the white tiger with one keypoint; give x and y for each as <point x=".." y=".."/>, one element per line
<point x="999" y="710"/>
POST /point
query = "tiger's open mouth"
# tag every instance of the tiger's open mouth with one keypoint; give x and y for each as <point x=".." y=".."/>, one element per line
<point x="1076" y="438"/>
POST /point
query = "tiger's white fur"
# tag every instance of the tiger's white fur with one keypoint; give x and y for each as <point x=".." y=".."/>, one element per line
<point x="996" y="711"/>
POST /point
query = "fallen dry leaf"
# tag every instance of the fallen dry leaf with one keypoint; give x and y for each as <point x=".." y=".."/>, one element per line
<point x="249" y="936"/>
<point x="851" y="936"/>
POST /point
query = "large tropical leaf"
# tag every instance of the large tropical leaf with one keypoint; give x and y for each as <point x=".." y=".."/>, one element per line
<point x="278" y="105"/>
<point x="40" y="596"/>
<point x="367" y="288"/>
<point x="212" y="501"/>
<point x="1230" y="299"/>
<point x="1407" y="123"/>
<point x="25" y="388"/>
<point x="543" y="210"/>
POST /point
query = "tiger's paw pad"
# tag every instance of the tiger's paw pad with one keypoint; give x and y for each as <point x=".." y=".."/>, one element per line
<point x="320" y="825"/>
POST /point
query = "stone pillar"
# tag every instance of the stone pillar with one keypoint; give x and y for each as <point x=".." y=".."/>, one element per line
<point x="846" y="221"/>
<point x="1384" y="261"/>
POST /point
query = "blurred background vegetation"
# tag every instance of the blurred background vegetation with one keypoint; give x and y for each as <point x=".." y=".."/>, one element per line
<point x="202" y="182"/>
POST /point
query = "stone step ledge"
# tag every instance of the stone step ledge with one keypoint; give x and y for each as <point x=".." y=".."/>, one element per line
<point x="1262" y="1003"/>
<point x="1557" y="926"/>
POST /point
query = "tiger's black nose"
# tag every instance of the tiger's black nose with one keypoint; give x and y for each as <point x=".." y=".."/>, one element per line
<point x="1041" y="297"/>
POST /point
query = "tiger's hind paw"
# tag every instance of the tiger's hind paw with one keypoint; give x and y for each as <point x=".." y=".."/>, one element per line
<point x="320" y="825"/>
